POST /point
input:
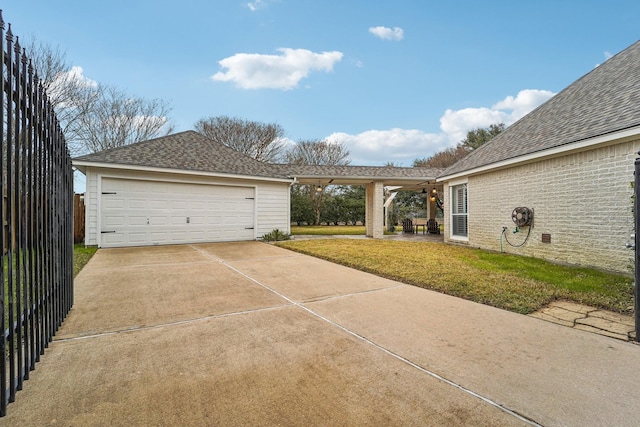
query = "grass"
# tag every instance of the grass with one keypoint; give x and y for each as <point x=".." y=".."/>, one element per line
<point x="81" y="256"/>
<point x="515" y="283"/>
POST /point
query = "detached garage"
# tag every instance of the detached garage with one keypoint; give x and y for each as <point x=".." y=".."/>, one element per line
<point x="182" y="188"/>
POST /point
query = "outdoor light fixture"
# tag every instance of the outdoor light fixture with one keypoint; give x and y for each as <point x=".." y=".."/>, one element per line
<point x="434" y="194"/>
<point x="319" y="188"/>
<point x="424" y="191"/>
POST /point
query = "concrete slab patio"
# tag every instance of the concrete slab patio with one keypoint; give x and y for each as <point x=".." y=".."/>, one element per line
<point x="251" y="334"/>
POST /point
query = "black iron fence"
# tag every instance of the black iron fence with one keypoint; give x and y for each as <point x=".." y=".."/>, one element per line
<point x="636" y="245"/>
<point x="36" y="239"/>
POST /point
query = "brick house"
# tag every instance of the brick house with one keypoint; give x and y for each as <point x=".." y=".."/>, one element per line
<point x="570" y="162"/>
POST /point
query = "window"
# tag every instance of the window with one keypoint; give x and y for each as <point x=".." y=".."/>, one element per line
<point x="459" y="211"/>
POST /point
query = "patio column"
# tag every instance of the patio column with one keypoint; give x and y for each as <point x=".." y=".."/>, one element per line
<point x="431" y="208"/>
<point x="374" y="210"/>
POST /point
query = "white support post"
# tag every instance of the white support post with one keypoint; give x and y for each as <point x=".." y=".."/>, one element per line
<point x="374" y="211"/>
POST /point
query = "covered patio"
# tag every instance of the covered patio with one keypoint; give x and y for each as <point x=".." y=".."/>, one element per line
<point x="375" y="180"/>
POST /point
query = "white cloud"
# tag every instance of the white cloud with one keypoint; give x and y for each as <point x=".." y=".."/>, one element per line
<point x="386" y="33"/>
<point x="257" y="4"/>
<point x="284" y="71"/>
<point x="456" y="123"/>
<point x="402" y="146"/>
<point x="607" y="55"/>
<point x="61" y="83"/>
<point x="75" y="74"/>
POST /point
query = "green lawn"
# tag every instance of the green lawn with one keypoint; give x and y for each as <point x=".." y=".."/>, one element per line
<point x="81" y="256"/>
<point x="511" y="282"/>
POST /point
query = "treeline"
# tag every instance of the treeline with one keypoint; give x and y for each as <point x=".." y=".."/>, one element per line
<point x="333" y="205"/>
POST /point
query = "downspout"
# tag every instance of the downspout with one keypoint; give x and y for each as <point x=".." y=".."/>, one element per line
<point x="295" y="180"/>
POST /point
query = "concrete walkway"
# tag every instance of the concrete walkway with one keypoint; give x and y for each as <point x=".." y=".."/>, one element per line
<point x="251" y="334"/>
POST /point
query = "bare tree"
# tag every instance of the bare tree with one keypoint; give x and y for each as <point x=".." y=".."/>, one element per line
<point x="318" y="152"/>
<point x="94" y="117"/>
<point x="261" y="141"/>
<point x="70" y="94"/>
<point x="116" y="119"/>
<point x="442" y="159"/>
<point x="447" y="157"/>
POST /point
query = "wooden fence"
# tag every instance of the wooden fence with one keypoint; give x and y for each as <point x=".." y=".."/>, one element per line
<point x="78" y="218"/>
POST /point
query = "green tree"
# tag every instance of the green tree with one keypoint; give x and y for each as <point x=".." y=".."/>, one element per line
<point x="301" y="207"/>
<point x="480" y="136"/>
<point x="354" y="204"/>
<point x="409" y="204"/>
<point x="318" y="152"/>
<point x="332" y="211"/>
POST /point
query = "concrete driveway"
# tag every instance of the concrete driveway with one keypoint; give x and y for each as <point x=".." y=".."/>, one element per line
<point x="251" y="334"/>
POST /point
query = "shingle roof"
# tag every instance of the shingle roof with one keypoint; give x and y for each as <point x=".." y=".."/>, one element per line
<point x="361" y="171"/>
<point x="191" y="151"/>
<point x="603" y="101"/>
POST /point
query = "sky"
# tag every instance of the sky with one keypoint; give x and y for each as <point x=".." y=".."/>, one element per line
<point x="392" y="80"/>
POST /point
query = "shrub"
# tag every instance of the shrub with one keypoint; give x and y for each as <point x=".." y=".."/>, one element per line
<point x="275" y="236"/>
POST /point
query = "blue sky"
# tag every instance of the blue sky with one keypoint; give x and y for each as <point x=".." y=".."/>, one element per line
<point x="392" y="80"/>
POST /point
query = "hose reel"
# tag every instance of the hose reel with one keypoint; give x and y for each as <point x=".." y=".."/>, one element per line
<point x="522" y="216"/>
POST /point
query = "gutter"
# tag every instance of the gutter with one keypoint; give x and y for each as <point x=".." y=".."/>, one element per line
<point x="82" y="165"/>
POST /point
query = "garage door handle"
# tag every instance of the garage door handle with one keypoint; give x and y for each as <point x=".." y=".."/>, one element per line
<point x="105" y="232"/>
<point x="108" y="192"/>
<point x="248" y="228"/>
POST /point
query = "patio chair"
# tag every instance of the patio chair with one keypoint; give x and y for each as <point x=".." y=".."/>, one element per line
<point x="433" y="227"/>
<point x="407" y="226"/>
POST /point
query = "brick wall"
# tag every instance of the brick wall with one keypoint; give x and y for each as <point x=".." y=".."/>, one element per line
<point x="374" y="217"/>
<point x="582" y="200"/>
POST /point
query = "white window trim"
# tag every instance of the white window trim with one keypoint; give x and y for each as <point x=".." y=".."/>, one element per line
<point x="453" y="184"/>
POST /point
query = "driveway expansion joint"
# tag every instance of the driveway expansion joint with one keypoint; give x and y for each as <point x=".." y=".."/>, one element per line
<point x="168" y="324"/>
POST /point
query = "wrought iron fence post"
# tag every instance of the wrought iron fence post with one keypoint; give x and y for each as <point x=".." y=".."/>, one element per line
<point x="3" y="324"/>
<point x="636" y="269"/>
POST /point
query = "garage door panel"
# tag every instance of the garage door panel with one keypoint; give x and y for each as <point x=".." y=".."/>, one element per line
<point x="114" y="203"/>
<point x="137" y="238"/>
<point x="159" y="221"/>
<point x="197" y="220"/>
<point x="150" y="213"/>
<point x="158" y="204"/>
<point x="113" y="221"/>
<point x="179" y="220"/>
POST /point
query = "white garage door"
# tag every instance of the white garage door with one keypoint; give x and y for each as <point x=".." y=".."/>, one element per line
<point x="138" y="213"/>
